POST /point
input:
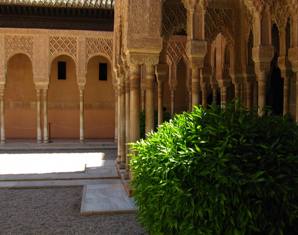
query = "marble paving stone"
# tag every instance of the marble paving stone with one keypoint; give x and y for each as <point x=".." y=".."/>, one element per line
<point x="106" y="199"/>
<point x="54" y="183"/>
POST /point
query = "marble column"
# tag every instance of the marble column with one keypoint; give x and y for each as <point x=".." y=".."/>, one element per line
<point x="149" y="98"/>
<point x="116" y="116"/>
<point x="248" y="93"/>
<point x="223" y="96"/>
<point x="261" y="93"/>
<point x="134" y="102"/>
<point x="82" y="138"/>
<point x="237" y="91"/>
<point x="204" y="95"/>
<point x="122" y="125"/>
<point x="127" y="122"/>
<point x="286" y="98"/>
<point x="118" y="160"/>
<point x="45" y="116"/>
<point x="38" y="114"/>
<point x="160" y="101"/>
<point x="195" y="86"/>
<point x="2" y="121"/>
<point x="172" y="101"/>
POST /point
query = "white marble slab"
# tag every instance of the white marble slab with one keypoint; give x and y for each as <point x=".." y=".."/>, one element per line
<point x="106" y="199"/>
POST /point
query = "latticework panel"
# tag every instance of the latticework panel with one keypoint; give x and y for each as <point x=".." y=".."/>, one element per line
<point x="176" y="50"/>
<point x="63" y="45"/>
<point x="99" y="46"/>
<point x="18" y="44"/>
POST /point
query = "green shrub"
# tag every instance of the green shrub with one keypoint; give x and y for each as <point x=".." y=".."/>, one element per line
<point x="218" y="172"/>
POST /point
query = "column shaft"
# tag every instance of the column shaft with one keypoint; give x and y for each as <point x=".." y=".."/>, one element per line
<point x="286" y="95"/>
<point x="223" y="96"/>
<point x="2" y="118"/>
<point x="261" y="94"/>
<point x="122" y="126"/>
<point x="82" y="115"/>
<point x="149" y="99"/>
<point x="38" y="114"/>
<point x="160" y="102"/>
<point x="45" y="116"/>
<point x="172" y="100"/>
<point x="195" y="86"/>
<point x="127" y="123"/>
<point x="204" y="96"/>
<point x="134" y="103"/>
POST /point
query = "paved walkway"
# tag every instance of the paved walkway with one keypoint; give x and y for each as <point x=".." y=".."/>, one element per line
<point x="38" y="201"/>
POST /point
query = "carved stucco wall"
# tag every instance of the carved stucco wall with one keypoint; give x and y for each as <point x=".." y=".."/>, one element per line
<point x="43" y="46"/>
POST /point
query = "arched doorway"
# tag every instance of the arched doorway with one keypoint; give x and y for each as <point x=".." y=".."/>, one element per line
<point x="20" y="99"/>
<point x="181" y="93"/>
<point x="275" y="82"/>
<point x="63" y="99"/>
<point x="99" y="100"/>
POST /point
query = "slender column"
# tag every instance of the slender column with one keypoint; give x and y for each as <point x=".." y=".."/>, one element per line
<point x="38" y="113"/>
<point x="286" y="98"/>
<point x="204" y="95"/>
<point x="149" y="98"/>
<point x="261" y="93"/>
<point x="122" y="126"/>
<point x="116" y="116"/>
<point x="82" y="115"/>
<point x="2" y="128"/>
<point x="223" y="96"/>
<point x="160" y="101"/>
<point x="45" y="116"/>
<point x="134" y="102"/>
<point x="248" y="95"/>
<point x="118" y="160"/>
<point x="172" y="99"/>
<point x="195" y="85"/>
<point x="127" y="120"/>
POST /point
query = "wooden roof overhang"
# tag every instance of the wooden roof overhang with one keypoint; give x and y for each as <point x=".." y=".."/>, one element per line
<point x="58" y="14"/>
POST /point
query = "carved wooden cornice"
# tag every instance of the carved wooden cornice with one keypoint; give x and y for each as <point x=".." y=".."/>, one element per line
<point x="100" y="4"/>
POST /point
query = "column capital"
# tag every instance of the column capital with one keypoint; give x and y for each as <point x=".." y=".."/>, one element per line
<point x="262" y="56"/>
<point x="161" y="72"/>
<point x="196" y="50"/>
<point x="41" y="85"/>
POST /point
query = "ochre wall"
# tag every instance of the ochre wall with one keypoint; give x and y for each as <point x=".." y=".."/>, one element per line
<point x="20" y="99"/>
<point x="63" y="102"/>
<point x="99" y="102"/>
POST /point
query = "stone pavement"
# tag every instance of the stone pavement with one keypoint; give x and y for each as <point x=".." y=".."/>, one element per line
<point x="65" y="165"/>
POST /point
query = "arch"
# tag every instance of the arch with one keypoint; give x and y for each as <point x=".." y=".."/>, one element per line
<point x="99" y="54"/>
<point x="63" y="101"/>
<point x="57" y="55"/>
<point x="20" y="98"/>
<point x="99" y="101"/>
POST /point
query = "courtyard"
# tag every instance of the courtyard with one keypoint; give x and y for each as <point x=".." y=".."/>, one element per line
<point x="41" y="189"/>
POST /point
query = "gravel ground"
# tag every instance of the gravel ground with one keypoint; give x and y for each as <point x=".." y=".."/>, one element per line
<point x="56" y="211"/>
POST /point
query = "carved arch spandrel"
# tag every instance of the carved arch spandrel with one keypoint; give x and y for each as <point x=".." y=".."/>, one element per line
<point x="18" y="44"/>
<point x="99" y="46"/>
<point x="63" y="45"/>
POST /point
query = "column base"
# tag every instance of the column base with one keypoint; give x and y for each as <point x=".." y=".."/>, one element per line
<point x="2" y="141"/>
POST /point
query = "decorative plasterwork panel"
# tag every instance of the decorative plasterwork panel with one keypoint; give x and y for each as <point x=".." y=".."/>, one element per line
<point x="63" y="45"/>
<point x="280" y="13"/>
<point x="99" y="46"/>
<point x="15" y="44"/>
<point x="173" y="18"/>
<point x="219" y="21"/>
<point x="176" y="50"/>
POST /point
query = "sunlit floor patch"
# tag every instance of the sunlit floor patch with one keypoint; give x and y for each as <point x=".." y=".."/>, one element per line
<point x="41" y="163"/>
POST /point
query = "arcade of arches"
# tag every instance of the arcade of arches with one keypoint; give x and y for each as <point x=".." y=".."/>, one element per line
<point x="163" y="55"/>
